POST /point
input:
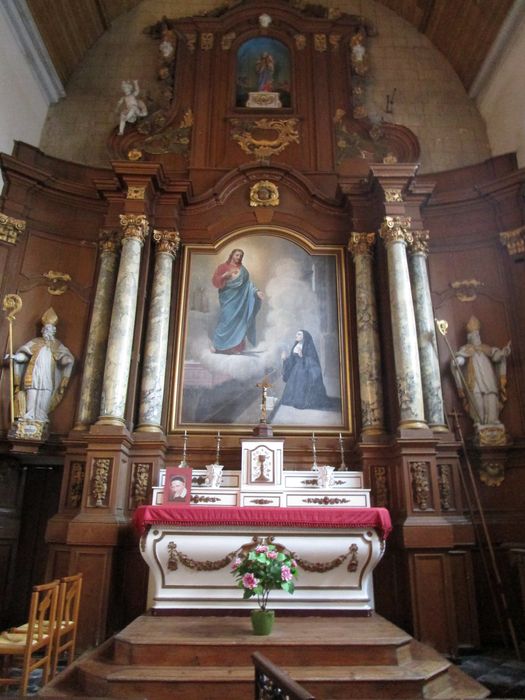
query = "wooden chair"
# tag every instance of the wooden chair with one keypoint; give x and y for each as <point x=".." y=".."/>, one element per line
<point x="67" y="619"/>
<point x="38" y="637"/>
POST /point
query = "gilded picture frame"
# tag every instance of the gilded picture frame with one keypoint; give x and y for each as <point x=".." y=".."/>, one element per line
<point x="293" y="287"/>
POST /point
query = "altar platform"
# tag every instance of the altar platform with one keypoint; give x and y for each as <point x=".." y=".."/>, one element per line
<point x="209" y="658"/>
<point x="189" y="551"/>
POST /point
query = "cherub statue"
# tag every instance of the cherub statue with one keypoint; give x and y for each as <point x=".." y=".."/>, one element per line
<point x="130" y="107"/>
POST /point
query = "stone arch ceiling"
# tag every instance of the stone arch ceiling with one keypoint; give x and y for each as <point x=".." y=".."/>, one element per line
<point x="463" y="30"/>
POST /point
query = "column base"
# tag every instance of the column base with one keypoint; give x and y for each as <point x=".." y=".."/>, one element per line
<point x="438" y="427"/>
<point x="110" y="420"/>
<point x="148" y="428"/>
<point x="413" y="425"/>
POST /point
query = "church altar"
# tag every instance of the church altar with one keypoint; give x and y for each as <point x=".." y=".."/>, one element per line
<point x="190" y="550"/>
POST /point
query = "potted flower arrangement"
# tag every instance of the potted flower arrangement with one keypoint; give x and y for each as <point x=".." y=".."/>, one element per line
<point x="260" y="571"/>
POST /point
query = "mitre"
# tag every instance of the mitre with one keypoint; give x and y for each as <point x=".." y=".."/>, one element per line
<point x="49" y="317"/>
<point x="473" y="324"/>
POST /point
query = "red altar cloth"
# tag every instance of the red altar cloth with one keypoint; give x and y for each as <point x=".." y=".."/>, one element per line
<point x="186" y="516"/>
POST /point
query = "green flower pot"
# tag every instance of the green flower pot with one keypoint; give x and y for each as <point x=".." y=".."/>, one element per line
<point x="262" y="621"/>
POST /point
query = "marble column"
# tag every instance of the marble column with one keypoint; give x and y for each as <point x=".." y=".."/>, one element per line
<point x="155" y="351"/>
<point x="395" y="231"/>
<point x="369" y="355"/>
<point x="118" y="355"/>
<point x="426" y="331"/>
<point x="91" y="386"/>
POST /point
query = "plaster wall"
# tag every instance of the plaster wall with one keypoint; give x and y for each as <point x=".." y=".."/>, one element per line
<point x="502" y="100"/>
<point x="430" y="98"/>
<point x="23" y="107"/>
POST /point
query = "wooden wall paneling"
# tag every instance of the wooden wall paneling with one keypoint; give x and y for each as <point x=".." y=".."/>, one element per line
<point x="205" y="122"/>
<point x="465" y="612"/>
<point x="96" y="565"/>
<point x="432" y="603"/>
<point x="12" y="480"/>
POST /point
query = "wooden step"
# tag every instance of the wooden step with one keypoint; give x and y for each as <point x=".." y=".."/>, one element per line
<point x="208" y="658"/>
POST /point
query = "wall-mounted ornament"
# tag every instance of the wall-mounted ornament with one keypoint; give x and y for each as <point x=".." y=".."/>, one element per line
<point x="264" y="194"/>
<point x="420" y="485"/>
<point x="466" y="290"/>
<point x="492" y="473"/>
<point x="300" y="42"/>
<point x="206" y="41"/>
<point x="58" y="282"/>
<point x="227" y="41"/>
<point x="191" y="41"/>
<point x="11" y="228"/>
<point x="76" y="484"/>
<point x="134" y="154"/>
<point x="98" y="493"/>
<point x="252" y="135"/>
<point x="136" y="192"/>
<point x="514" y="240"/>
<point x="320" y="43"/>
<point x="172" y="139"/>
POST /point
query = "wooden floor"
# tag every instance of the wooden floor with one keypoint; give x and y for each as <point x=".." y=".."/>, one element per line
<point x="209" y="658"/>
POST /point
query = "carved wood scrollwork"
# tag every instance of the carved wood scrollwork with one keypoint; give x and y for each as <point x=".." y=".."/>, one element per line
<point x="420" y="484"/>
<point x="252" y="135"/>
<point x="76" y="484"/>
<point x="140" y="484"/>
<point x="98" y="493"/>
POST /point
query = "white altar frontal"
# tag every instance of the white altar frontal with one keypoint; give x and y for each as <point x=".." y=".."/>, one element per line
<point x="322" y="518"/>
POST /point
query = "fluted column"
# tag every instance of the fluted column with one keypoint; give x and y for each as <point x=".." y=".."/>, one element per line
<point x="395" y="231"/>
<point x="118" y="356"/>
<point x="426" y="331"/>
<point x="91" y="386"/>
<point x="155" y="351"/>
<point x="369" y="355"/>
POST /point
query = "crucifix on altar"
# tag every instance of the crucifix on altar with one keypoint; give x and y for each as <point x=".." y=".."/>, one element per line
<point x="263" y="428"/>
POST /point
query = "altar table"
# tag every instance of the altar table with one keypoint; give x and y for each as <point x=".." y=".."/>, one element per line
<point x="190" y="551"/>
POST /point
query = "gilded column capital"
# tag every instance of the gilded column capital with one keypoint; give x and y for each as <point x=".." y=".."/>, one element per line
<point x="396" y="229"/>
<point x="109" y="240"/>
<point x="11" y="228"/>
<point x="361" y="243"/>
<point x="167" y="241"/>
<point x="419" y="243"/>
<point x="134" y="226"/>
<point x="514" y="240"/>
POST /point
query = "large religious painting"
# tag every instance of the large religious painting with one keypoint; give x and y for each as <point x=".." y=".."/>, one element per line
<point x="263" y="74"/>
<point x="265" y="304"/>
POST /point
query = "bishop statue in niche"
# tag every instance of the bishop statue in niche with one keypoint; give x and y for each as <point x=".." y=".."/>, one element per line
<point x="263" y="74"/>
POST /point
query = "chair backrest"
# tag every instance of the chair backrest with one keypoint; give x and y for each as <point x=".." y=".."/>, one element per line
<point x="70" y="590"/>
<point x="42" y="612"/>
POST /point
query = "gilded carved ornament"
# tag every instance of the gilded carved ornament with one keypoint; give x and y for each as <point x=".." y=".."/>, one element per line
<point x="140" y="484"/>
<point x="227" y="41"/>
<point x="300" y="42"/>
<point x="57" y="282"/>
<point x="206" y="41"/>
<point x="361" y="243"/>
<point x="419" y="243"/>
<point x="393" y="195"/>
<point x="320" y="42"/>
<point x="109" y="240"/>
<point x="191" y="40"/>
<point x="244" y="133"/>
<point x="11" y="228"/>
<point x="514" y="240"/>
<point x="134" y="226"/>
<point x="334" y="40"/>
<point x="396" y="229"/>
<point x="100" y="481"/>
<point x="492" y="473"/>
<point x="420" y="484"/>
<point x="134" y="154"/>
<point x="136" y="193"/>
<point x="381" y="497"/>
<point x="466" y="290"/>
<point x="264" y="194"/>
<point x="76" y="484"/>
<point x="445" y="487"/>
<point x="167" y="241"/>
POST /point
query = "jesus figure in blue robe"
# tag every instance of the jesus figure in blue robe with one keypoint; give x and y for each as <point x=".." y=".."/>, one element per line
<point x="239" y="301"/>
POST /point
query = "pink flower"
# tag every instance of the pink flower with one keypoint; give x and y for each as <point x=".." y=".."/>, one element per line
<point x="286" y="574"/>
<point x="236" y="563"/>
<point x="293" y="563"/>
<point x="261" y="548"/>
<point x="249" y="581"/>
<point x="272" y="555"/>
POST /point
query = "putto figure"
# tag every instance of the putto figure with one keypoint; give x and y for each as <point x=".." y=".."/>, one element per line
<point x="239" y="301"/>
<point x="484" y="372"/>
<point x="42" y="368"/>
<point x="129" y="106"/>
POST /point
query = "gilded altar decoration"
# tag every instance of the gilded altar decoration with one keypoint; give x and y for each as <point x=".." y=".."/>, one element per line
<point x="204" y="499"/>
<point x="466" y="290"/>
<point x="445" y="486"/>
<point x="514" y="240"/>
<point x="492" y="473"/>
<point x="419" y="243"/>
<point x="264" y="194"/>
<point x="168" y="241"/>
<point x="227" y="41"/>
<point x="109" y="240"/>
<point x="326" y="501"/>
<point x="76" y="484"/>
<point x="11" y="304"/>
<point x="11" y="228"/>
<point x="134" y="226"/>
<point x="134" y="154"/>
<point x="393" y="195"/>
<point x="176" y="557"/>
<point x="420" y="484"/>
<point x="249" y="134"/>
<point x="396" y="229"/>
<point x="100" y="482"/>
<point x="361" y="243"/>
<point x="322" y="567"/>
<point x="334" y="40"/>
<point x="191" y="41"/>
<point x="58" y="282"/>
<point x="320" y="42"/>
<point x="206" y="41"/>
<point x="140" y="484"/>
<point x="136" y="193"/>
<point x="171" y="139"/>
<point x="300" y="42"/>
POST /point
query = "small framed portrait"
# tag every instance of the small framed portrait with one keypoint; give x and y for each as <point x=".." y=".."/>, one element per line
<point x="177" y="486"/>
